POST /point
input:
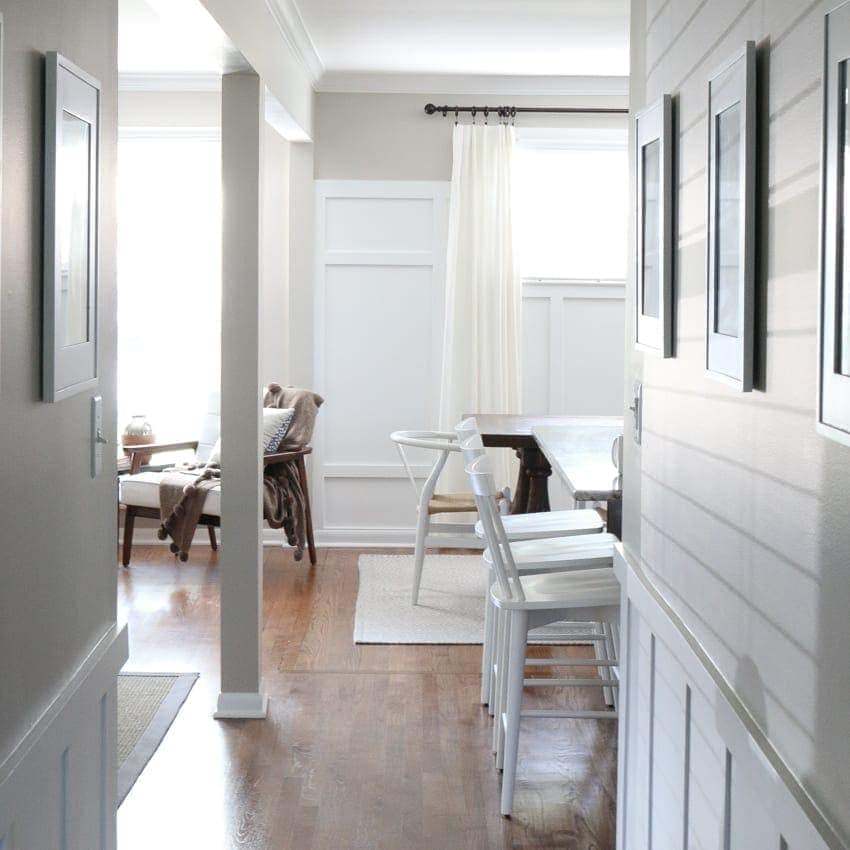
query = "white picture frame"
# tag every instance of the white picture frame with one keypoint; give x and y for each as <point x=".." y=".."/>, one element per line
<point x="71" y="214"/>
<point x="655" y="227"/>
<point x="833" y="419"/>
<point x="731" y="265"/>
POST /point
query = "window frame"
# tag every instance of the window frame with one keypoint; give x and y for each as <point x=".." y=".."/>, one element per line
<point x="573" y="138"/>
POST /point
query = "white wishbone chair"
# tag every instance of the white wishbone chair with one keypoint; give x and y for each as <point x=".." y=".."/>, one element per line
<point x="430" y="503"/>
<point x="526" y="602"/>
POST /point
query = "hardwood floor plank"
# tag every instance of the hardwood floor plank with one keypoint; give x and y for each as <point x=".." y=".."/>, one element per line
<point x="378" y="747"/>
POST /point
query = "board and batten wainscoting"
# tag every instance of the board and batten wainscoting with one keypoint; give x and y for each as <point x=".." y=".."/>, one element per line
<point x="58" y="785"/>
<point x="380" y="282"/>
<point x="379" y="288"/>
<point x="695" y="769"/>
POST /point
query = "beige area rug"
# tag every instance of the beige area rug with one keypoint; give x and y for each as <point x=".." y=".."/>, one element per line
<point x="451" y="602"/>
<point x="147" y="706"/>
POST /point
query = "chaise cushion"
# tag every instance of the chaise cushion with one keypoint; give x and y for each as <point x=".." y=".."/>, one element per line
<point x="142" y="491"/>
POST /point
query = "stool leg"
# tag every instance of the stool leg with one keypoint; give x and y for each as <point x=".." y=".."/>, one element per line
<point x="603" y="654"/>
<point x="499" y="685"/>
<point x="213" y="541"/>
<point x="487" y="651"/>
<point x="513" y="708"/>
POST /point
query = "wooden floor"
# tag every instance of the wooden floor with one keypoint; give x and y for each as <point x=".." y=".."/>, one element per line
<point x="381" y="747"/>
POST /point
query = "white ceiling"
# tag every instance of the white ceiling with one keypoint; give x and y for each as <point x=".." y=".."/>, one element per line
<point x="171" y="37"/>
<point x="489" y="37"/>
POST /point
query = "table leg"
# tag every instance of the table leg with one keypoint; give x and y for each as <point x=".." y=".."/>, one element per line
<point x="532" y="494"/>
<point x="539" y="471"/>
<point x="519" y="503"/>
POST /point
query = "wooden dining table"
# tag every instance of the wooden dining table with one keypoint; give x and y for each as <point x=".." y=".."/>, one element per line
<point x="517" y="432"/>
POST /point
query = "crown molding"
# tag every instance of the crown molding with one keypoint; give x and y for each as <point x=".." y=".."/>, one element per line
<point x="356" y="82"/>
<point x="174" y="82"/>
<point x="294" y="31"/>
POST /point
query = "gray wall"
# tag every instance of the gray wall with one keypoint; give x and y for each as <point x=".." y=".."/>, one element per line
<point x="389" y="136"/>
<point x="57" y="524"/>
<point x="737" y="507"/>
<point x="274" y="360"/>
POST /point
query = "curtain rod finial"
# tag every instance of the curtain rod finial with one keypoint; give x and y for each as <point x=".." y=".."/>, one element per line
<point x="430" y="109"/>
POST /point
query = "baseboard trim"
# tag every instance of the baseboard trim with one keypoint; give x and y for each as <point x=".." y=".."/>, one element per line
<point x="241" y="706"/>
<point x="109" y="653"/>
<point x="333" y="538"/>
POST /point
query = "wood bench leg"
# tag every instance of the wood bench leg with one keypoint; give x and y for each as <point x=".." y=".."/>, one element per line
<point x="129" y="525"/>
<point x="213" y="541"/>
<point x="308" y="515"/>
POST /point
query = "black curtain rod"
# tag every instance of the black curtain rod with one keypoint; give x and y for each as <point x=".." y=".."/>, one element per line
<point x="511" y="111"/>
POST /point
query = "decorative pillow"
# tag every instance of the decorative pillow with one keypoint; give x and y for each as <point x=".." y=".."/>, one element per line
<point x="276" y="422"/>
<point x="215" y="454"/>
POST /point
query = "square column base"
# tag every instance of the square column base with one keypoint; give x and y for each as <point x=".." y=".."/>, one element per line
<point x="246" y="706"/>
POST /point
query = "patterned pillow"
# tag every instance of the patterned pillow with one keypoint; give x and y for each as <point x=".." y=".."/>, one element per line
<point x="276" y="422"/>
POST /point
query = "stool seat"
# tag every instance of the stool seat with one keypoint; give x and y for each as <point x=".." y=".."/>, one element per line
<point x="559" y="554"/>
<point x="548" y="524"/>
<point x="562" y="592"/>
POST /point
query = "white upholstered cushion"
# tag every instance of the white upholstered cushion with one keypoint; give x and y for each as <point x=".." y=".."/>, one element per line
<point x="142" y="490"/>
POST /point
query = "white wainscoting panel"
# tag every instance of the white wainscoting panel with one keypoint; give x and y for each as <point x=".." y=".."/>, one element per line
<point x="58" y="786"/>
<point x="695" y="770"/>
<point x="380" y="283"/>
<point x="573" y="348"/>
<point x="573" y="352"/>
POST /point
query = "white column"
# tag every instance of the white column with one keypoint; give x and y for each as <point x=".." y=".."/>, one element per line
<point x="241" y="422"/>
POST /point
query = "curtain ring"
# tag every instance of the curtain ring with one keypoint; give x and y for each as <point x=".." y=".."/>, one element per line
<point x="456" y="119"/>
<point x="474" y="112"/>
<point x="486" y="114"/>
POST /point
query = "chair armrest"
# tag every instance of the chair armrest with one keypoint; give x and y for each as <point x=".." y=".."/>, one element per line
<point x="137" y="452"/>
<point x="281" y="457"/>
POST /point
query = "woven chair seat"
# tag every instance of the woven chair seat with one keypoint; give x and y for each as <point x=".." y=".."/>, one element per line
<point x="454" y="503"/>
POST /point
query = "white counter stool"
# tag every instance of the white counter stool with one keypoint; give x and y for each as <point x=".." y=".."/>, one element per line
<point x="527" y="602"/>
<point x="551" y="541"/>
<point x="430" y="503"/>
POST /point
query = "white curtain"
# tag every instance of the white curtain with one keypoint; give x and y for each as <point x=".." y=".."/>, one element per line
<point x="481" y="355"/>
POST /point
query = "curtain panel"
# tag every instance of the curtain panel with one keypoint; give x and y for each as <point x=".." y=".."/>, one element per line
<point x="481" y="357"/>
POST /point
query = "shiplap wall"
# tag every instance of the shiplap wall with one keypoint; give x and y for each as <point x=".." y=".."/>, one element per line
<point x="735" y="507"/>
<point x="695" y="772"/>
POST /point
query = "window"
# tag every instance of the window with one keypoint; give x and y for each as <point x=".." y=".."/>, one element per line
<point x="169" y="278"/>
<point x="571" y="203"/>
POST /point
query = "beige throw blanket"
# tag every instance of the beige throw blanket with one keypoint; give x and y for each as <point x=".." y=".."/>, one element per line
<point x="183" y="490"/>
<point x="284" y="500"/>
<point x="182" y="493"/>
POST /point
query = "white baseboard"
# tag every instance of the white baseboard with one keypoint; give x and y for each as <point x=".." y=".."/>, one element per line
<point x="334" y="538"/>
<point x="66" y="761"/>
